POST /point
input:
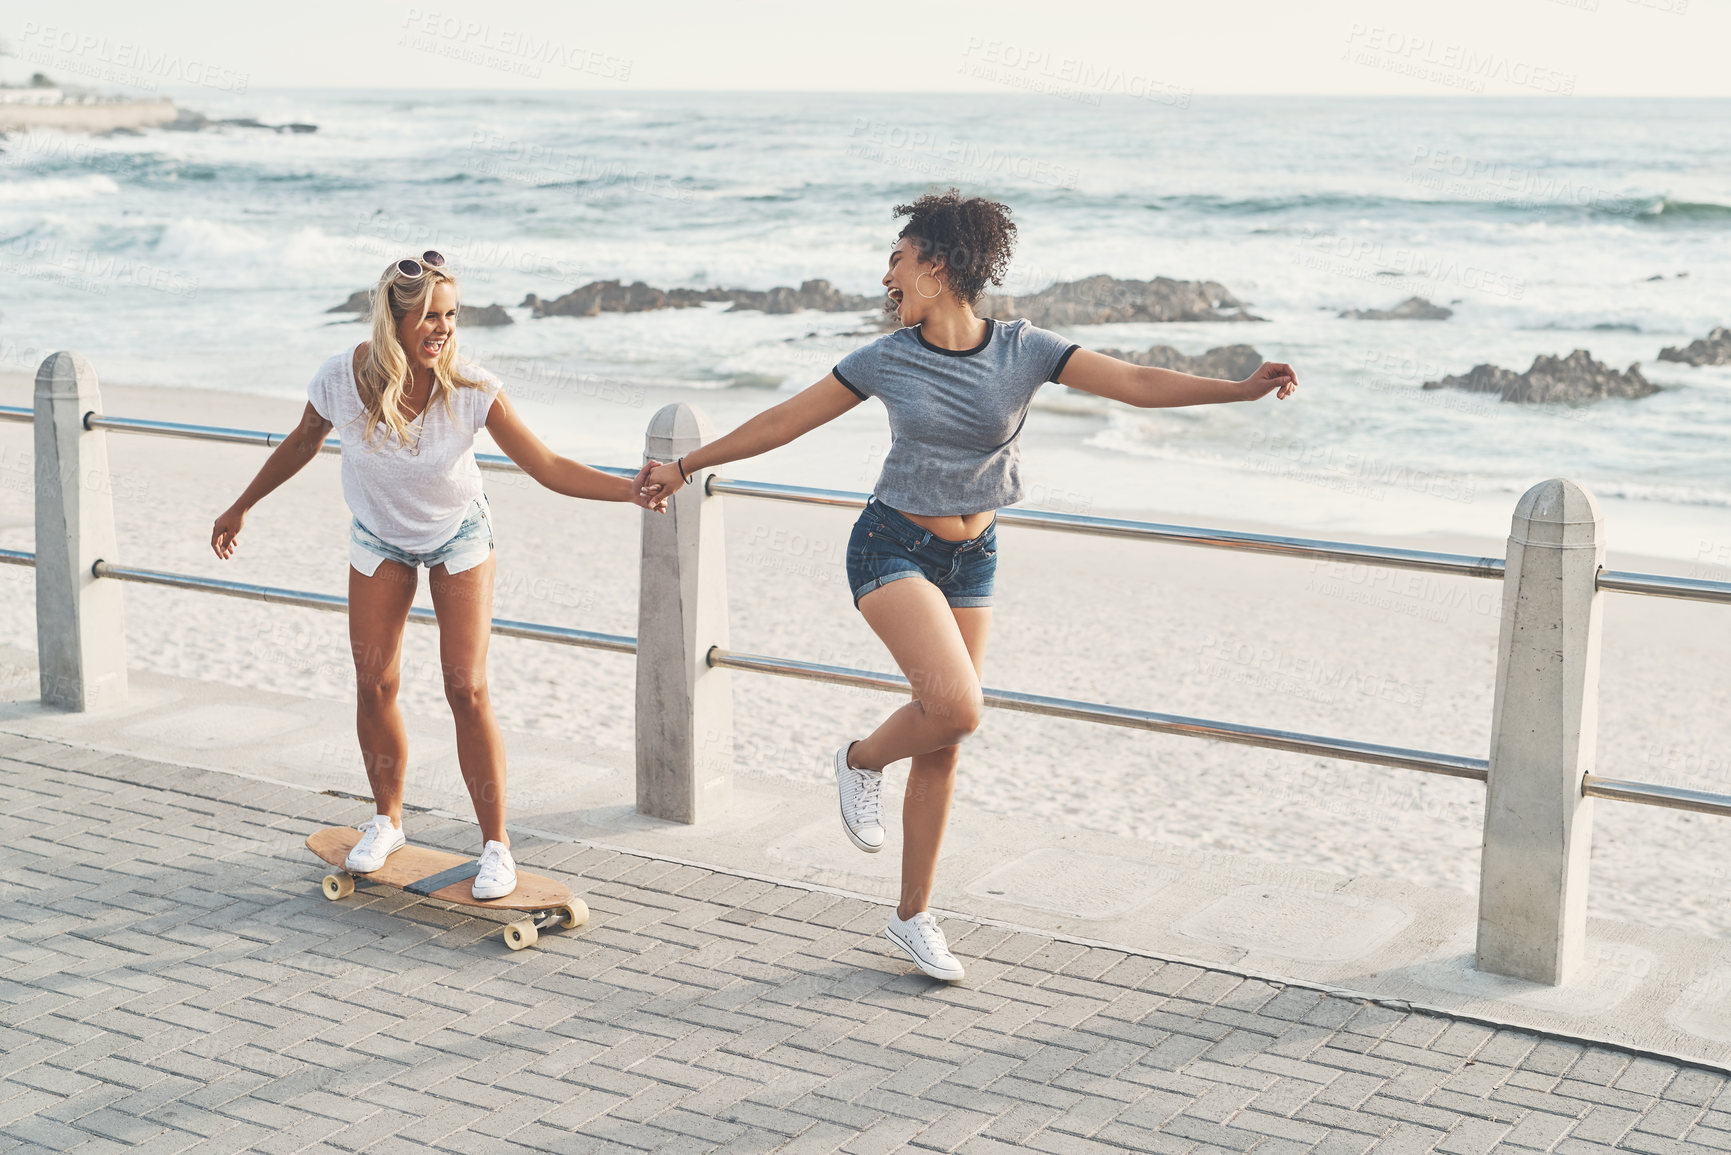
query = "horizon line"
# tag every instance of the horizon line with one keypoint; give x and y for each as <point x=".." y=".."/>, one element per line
<point x="1008" y="95"/>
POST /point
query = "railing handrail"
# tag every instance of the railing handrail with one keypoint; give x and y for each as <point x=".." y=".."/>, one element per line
<point x="1388" y="557"/>
<point x="496" y="462"/>
<point x="1453" y="765"/>
<point x="1346" y="749"/>
<point x="1462" y="565"/>
<point x="1664" y="586"/>
<point x="308" y="599"/>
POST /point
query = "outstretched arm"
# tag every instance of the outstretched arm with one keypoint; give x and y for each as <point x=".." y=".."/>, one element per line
<point x="560" y="474"/>
<point x="286" y="460"/>
<point x="771" y="429"/>
<point x="1149" y="388"/>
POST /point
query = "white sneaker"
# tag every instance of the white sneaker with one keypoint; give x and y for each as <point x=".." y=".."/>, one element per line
<point x="920" y="937"/>
<point x="379" y="839"/>
<point x="861" y="802"/>
<point x="498" y="875"/>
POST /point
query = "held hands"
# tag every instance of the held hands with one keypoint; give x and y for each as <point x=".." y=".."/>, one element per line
<point x="1271" y="377"/>
<point x="226" y="532"/>
<point x="659" y="482"/>
<point x="647" y="494"/>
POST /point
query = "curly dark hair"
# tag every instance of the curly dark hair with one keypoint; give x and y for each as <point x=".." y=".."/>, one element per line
<point x="973" y="235"/>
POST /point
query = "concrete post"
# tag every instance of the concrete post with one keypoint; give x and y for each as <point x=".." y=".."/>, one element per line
<point x="80" y="622"/>
<point x="1544" y="733"/>
<point x="684" y="708"/>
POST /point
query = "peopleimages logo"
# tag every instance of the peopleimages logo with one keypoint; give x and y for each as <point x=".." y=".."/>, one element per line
<point x="449" y="35"/>
<point x="1451" y="64"/>
<point x="1070" y="76"/>
<point x="170" y="66"/>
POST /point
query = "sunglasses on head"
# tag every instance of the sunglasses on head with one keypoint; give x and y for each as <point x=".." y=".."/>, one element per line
<point x="410" y="267"/>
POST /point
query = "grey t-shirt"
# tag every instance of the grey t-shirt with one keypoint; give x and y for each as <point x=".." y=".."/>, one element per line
<point x="955" y="414"/>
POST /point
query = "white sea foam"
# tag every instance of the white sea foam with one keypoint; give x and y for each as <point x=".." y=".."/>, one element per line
<point x="51" y="190"/>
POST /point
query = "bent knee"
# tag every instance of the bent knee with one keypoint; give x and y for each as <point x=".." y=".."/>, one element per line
<point x="466" y="697"/>
<point x="956" y="718"/>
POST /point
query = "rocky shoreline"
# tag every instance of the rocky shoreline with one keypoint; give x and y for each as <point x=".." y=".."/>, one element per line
<point x="1713" y="349"/>
<point x="599" y="297"/>
<point x="479" y="316"/>
<point x="1573" y="379"/>
<point x="1104" y="300"/>
<point x="1411" y="309"/>
<point x="1228" y="362"/>
<point x="1093" y="301"/>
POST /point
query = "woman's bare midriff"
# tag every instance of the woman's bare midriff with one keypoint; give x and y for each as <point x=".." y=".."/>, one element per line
<point x="956" y="527"/>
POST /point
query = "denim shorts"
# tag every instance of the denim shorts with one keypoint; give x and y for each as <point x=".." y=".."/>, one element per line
<point x="887" y="546"/>
<point x="468" y="547"/>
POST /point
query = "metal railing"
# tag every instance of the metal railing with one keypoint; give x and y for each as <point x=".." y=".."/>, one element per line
<point x="1459" y="565"/>
<point x="679" y="631"/>
<point x="306" y="599"/>
<point x="1454" y="765"/>
<point x="1347" y="749"/>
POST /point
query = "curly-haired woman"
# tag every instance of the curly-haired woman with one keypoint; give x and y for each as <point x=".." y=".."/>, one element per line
<point x="407" y="409"/>
<point x="920" y="561"/>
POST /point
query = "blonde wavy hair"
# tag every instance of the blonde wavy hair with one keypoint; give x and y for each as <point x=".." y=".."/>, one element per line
<point x="384" y="374"/>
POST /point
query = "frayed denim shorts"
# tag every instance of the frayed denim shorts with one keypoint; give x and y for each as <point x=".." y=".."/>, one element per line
<point x="887" y="546"/>
<point x="468" y="547"/>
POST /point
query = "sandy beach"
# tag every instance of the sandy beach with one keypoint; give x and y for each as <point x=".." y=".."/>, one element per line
<point x="1375" y="655"/>
<point x="93" y="116"/>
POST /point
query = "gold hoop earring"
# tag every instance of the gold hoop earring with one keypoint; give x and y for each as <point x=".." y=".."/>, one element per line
<point x="929" y="296"/>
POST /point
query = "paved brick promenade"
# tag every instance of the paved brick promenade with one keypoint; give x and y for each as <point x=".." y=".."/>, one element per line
<point x="172" y="980"/>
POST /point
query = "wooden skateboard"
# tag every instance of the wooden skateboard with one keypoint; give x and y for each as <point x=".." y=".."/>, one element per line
<point x="450" y="878"/>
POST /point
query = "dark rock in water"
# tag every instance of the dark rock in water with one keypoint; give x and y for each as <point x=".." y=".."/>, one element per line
<point x="1572" y="379"/>
<point x="186" y="120"/>
<point x="484" y="316"/>
<point x="1228" y="362"/>
<point x="605" y="297"/>
<point x="1411" y="309"/>
<point x="819" y="295"/>
<point x="1102" y="299"/>
<point x="360" y="301"/>
<point x="1713" y="349"/>
<point x="612" y="297"/>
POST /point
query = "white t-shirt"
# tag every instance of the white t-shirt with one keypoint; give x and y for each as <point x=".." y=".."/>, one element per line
<point x="413" y="496"/>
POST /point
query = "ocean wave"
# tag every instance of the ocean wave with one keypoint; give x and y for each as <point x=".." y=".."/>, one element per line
<point x="232" y="252"/>
<point x="1667" y="494"/>
<point x="1516" y="203"/>
<point x="58" y="189"/>
<point x="1665" y="210"/>
<point x="1645" y="210"/>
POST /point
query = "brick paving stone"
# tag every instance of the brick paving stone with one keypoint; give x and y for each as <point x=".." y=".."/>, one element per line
<point x="173" y="981"/>
<point x="1473" y="1137"/>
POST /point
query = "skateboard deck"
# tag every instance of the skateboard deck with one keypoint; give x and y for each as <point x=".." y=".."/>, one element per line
<point x="447" y="877"/>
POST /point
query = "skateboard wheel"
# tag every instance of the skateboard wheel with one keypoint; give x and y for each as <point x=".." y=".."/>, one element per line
<point x="573" y="914"/>
<point x="339" y="886"/>
<point x="520" y="934"/>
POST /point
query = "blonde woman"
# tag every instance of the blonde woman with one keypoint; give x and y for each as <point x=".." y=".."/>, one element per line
<point x="407" y="410"/>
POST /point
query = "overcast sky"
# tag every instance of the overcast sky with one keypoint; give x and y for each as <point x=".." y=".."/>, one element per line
<point x="1541" y="48"/>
